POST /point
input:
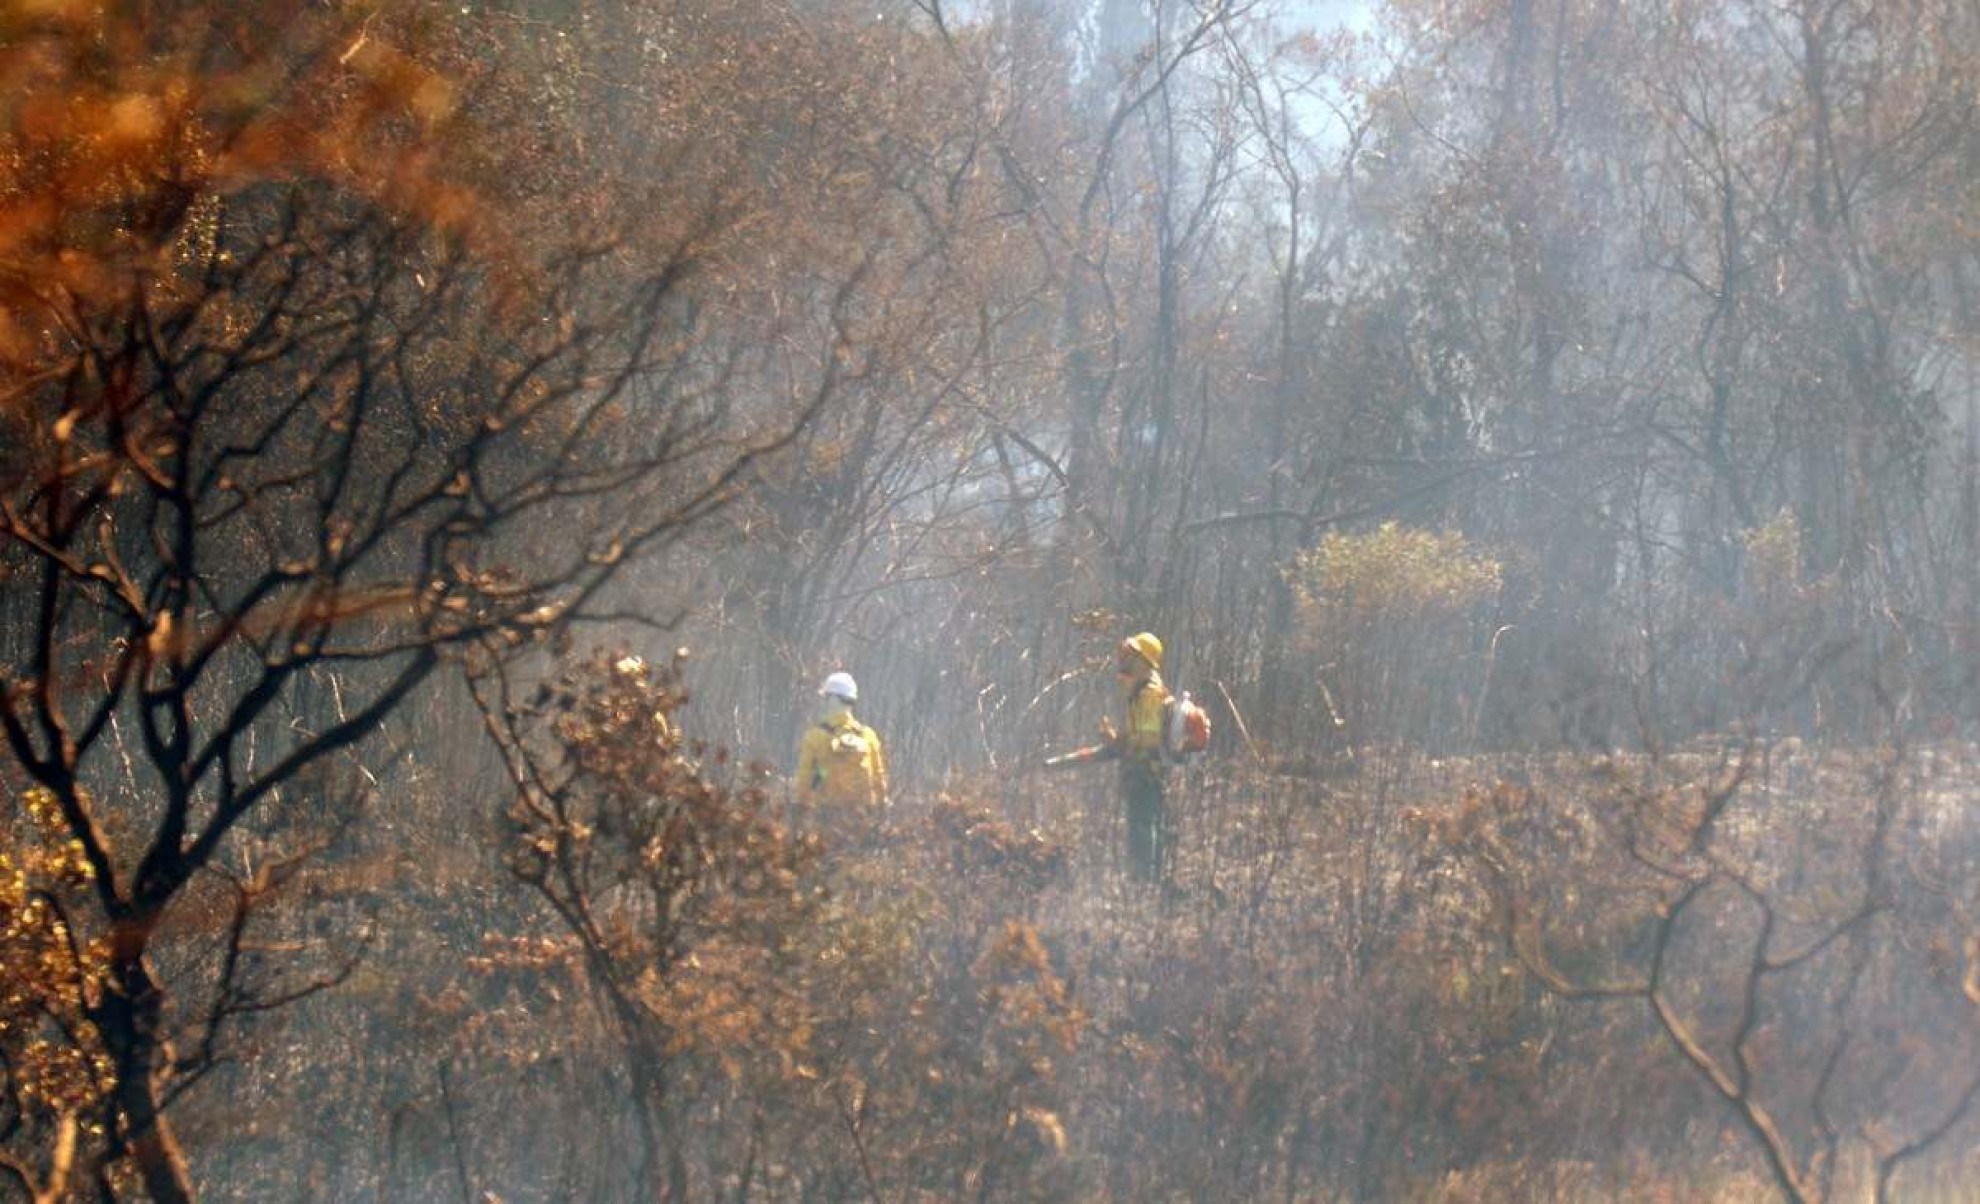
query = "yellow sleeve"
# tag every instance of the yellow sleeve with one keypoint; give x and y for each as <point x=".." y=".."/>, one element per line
<point x="807" y="767"/>
<point x="879" y="768"/>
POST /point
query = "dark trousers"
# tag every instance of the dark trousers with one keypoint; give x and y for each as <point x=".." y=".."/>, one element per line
<point x="1147" y="829"/>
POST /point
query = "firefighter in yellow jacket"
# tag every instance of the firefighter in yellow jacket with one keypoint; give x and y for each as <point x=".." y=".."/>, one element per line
<point x="839" y="758"/>
<point x="1144" y="699"/>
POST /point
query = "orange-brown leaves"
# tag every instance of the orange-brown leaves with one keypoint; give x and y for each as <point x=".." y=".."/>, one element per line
<point x="694" y="898"/>
<point x="1035" y="1015"/>
<point x="117" y="120"/>
<point x="53" y="1059"/>
<point x="980" y="840"/>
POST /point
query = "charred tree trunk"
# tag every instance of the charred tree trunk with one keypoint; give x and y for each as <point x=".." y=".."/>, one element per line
<point x="128" y="1018"/>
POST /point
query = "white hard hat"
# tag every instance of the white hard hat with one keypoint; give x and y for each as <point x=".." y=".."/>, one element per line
<point x="841" y="685"/>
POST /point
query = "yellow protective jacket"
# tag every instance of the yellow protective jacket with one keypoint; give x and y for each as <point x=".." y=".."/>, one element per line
<point x="840" y="762"/>
<point x="1145" y="700"/>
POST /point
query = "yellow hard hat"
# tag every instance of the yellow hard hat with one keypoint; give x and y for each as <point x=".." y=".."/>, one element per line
<point x="1144" y="645"/>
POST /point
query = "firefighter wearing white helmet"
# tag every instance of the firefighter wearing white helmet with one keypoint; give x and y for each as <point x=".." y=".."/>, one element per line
<point x="839" y="759"/>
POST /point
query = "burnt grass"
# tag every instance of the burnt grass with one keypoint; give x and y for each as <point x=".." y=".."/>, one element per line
<point x="1406" y="979"/>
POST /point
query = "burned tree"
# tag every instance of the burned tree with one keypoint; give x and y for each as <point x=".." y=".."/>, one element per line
<point x="306" y="393"/>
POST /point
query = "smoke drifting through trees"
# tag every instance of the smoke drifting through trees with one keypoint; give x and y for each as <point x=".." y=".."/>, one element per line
<point x="1545" y="434"/>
